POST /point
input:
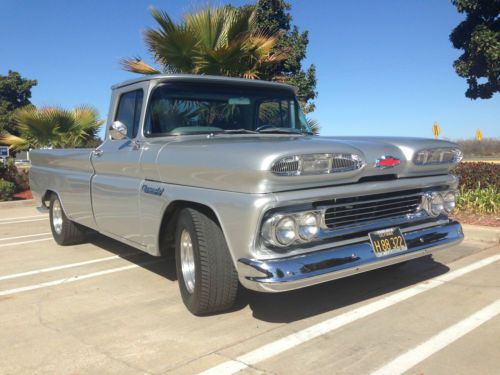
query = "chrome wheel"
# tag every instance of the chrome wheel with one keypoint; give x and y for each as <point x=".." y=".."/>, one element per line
<point x="187" y="261"/>
<point x="57" y="216"/>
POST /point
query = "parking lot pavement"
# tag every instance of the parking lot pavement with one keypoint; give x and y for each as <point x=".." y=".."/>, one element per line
<point x="103" y="307"/>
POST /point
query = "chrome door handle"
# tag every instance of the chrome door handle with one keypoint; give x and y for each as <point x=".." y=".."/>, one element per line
<point x="98" y="153"/>
<point x="136" y="144"/>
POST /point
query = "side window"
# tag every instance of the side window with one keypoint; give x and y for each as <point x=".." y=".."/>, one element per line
<point x="129" y="111"/>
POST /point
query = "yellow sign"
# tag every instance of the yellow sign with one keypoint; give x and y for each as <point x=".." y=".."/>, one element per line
<point x="436" y="130"/>
<point x="479" y="135"/>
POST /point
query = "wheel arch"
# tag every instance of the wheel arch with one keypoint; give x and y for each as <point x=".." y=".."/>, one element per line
<point x="47" y="195"/>
<point x="166" y="236"/>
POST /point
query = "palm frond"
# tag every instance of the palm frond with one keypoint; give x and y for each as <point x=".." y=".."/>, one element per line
<point x="213" y="40"/>
<point x="34" y="124"/>
<point x="15" y="143"/>
<point x="209" y="25"/>
<point x="314" y="126"/>
<point x="54" y="126"/>
<point x="136" y="65"/>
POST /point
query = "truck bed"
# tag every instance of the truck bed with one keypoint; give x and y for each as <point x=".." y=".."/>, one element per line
<point x="69" y="172"/>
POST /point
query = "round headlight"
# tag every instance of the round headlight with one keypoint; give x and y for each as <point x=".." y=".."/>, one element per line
<point x="437" y="204"/>
<point x="308" y="226"/>
<point x="285" y="231"/>
<point x="449" y="202"/>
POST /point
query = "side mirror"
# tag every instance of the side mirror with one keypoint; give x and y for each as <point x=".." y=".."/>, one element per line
<point x="118" y="130"/>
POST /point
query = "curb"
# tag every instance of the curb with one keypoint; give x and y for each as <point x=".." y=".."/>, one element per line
<point x="481" y="233"/>
<point x="20" y="203"/>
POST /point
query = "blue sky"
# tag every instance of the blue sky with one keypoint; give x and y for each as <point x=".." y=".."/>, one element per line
<point x="383" y="67"/>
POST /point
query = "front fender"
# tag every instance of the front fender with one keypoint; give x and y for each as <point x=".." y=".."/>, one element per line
<point x="239" y="214"/>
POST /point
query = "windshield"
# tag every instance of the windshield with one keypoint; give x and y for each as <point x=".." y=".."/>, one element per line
<point x="188" y="109"/>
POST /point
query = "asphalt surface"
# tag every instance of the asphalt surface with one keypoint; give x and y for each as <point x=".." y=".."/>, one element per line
<point x="104" y="308"/>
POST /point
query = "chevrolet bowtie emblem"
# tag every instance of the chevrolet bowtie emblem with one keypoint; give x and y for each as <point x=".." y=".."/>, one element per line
<point x="387" y="161"/>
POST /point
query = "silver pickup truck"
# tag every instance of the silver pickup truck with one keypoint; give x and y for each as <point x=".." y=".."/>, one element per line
<point x="226" y="174"/>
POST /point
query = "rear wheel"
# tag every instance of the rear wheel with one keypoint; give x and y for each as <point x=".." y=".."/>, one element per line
<point x="208" y="281"/>
<point x="64" y="231"/>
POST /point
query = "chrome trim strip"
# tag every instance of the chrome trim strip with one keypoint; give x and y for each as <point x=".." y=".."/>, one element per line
<point x="327" y="206"/>
<point x="279" y="275"/>
<point x="377" y="222"/>
<point x="406" y="211"/>
<point x="405" y="201"/>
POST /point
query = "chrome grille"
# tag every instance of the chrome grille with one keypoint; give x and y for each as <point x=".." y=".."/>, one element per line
<point x="345" y="162"/>
<point x="358" y="211"/>
<point x="286" y="166"/>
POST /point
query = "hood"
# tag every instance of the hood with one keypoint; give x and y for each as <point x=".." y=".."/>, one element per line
<point x="242" y="163"/>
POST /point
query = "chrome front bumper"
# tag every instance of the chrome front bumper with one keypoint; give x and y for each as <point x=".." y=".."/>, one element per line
<point x="280" y="275"/>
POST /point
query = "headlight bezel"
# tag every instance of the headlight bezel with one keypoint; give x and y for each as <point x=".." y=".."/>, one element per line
<point x="270" y="225"/>
<point x="449" y="205"/>
<point x="429" y="199"/>
<point x="276" y="230"/>
<point x="301" y="224"/>
<point x="436" y="204"/>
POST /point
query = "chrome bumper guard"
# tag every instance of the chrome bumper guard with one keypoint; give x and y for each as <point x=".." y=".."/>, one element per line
<point x="280" y="275"/>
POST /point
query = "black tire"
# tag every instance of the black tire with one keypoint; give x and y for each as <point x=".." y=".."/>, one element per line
<point x="216" y="280"/>
<point x="69" y="233"/>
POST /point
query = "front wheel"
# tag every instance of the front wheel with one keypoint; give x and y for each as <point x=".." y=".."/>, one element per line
<point x="208" y="281"/>
<point x="64" y="231"/>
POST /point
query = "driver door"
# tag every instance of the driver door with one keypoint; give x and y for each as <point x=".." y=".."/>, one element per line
<point x="117" y="179"/>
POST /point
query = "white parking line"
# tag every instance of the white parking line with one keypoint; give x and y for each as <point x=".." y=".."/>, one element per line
<point x="74" y="278"/>
<point x="19" y="217"/>
<point x="62" y="267"/>
<point x="411" y="358"/>
<point x="26" y="236"/>
<point x="24" y="242"/>
<point x="22" y="221"/>
<point x="307" y="334"/>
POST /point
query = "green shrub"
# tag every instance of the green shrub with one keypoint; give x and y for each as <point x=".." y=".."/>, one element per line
<point x="18" y="176"/>
<point x="7" y="189"/>
<point x="472" y="175"/>
<point x="8" y="170"/>
<point x="479" y="200"/>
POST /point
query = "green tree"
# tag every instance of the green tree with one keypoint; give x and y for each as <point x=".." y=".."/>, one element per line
<point x="54" y="127"/>
<point x="479" y="37"/>
<point x="274" y="16"/>
<point x="15" y="92"/>
<point x="215" y="40"/>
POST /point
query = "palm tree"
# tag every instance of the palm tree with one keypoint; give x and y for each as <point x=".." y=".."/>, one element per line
<point x="219" y="41"/>
<point x="53" y="127"/>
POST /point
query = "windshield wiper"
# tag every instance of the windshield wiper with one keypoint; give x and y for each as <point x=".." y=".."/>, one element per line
<point x="239" y="131"/>
<point x="284" y="131"/>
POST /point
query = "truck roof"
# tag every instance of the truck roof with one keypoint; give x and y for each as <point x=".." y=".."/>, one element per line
<point x="206" y="79"/>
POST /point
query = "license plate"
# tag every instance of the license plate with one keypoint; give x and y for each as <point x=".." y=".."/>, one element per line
<point x="387" y="241"/>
